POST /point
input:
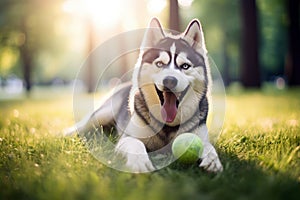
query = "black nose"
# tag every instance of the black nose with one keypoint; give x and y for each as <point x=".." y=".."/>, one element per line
<point x="170" y="82"/>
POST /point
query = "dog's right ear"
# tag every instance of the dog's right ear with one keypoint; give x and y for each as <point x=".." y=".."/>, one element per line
<point x="153" y="34"/>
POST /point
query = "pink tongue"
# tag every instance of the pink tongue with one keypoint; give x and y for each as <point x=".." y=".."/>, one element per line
<point x="169" y="109"/>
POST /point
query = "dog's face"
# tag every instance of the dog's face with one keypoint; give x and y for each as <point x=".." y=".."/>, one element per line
<point x="173" y="73"/>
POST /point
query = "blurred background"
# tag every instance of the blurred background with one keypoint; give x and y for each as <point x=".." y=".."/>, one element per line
<point x="45" y="42"/>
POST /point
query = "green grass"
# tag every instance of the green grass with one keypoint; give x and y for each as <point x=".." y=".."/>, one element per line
<point x="259" y="148"/>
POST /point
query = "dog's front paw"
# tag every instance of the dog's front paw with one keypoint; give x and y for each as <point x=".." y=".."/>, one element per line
<point x="211" y="163"/>
<point x="137" y="159"/>
<point x="139" y="163"/>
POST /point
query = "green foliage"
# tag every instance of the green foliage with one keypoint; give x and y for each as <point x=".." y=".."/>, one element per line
<point x="259" y="147"/>
<point x="31" y="29"/>
<point x="8" y="59"/>
<point x="46" y="32"/>
<point x="222" y="28"/>
<point x="273" y="47"/>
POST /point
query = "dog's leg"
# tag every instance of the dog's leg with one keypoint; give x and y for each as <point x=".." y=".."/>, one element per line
<point x="133" y="148"/>
<point x="135" y="152"/>
<point x="210" y="160"/>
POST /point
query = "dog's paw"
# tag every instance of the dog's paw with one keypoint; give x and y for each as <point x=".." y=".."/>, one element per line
<point x="211" y="163"/>
<point x="137" y="159"/>
<point x="139" y="163"/>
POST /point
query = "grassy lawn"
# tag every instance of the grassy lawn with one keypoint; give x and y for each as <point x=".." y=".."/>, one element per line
<point x="259" y="148"/>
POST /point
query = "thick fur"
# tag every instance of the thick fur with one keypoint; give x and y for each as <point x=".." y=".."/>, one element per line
<point x="170" y="68"/>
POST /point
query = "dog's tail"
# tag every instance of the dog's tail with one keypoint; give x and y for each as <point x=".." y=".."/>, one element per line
<point x="70" y="131"/>
<point x="75" y="129"/>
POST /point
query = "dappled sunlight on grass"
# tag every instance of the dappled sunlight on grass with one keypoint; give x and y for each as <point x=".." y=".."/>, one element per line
<point x="264" y="128"/>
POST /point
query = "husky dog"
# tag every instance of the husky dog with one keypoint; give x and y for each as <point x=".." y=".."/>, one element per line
<point x="168" y="96"/>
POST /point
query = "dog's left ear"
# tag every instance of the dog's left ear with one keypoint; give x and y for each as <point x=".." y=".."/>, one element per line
<point x="153" y="34"/>
<point x="194" y="35"/>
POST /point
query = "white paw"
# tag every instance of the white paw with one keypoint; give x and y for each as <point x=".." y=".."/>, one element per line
<point x="211" y="162"/>
<point x="139" y="163"/>
<point x="135" y="152"/>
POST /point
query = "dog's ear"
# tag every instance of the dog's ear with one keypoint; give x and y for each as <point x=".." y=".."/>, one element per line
<point x="153" y="34"/>
<point x="194" y="35"/>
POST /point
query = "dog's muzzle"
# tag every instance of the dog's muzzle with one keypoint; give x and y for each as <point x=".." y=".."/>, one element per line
<point x="169" y="98"/>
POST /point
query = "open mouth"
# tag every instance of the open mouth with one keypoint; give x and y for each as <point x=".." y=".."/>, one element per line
<point x="169" y="103"/>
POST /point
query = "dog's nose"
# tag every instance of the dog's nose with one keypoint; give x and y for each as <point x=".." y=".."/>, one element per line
<point x="170" y="82"/>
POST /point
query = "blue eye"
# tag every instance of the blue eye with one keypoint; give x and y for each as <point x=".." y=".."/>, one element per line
<point x="159" y="64"/>
<point x="185" y="66"/>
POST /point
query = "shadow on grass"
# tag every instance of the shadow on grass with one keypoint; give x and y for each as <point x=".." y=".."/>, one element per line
<point x="239" y="180"/>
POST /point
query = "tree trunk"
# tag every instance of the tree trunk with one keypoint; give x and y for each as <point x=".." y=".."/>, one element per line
<point x="293" y="65"/>
<point x="90" y="79"/>
<point x="226" y="76"/>
<point x="27" y="60"/>
<point x="174" y="22"/>
<point x="250" y="70"/>
<point x="27" y="63"/>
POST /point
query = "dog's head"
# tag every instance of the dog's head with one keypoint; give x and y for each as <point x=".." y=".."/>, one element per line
<point x="173" y="72"/>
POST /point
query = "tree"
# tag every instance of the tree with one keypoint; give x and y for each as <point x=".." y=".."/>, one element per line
<point x="174" y="22"/>
<point x="250" y="70"/>
<point x="33" y="21"/>
<point x="293" y="67"/>
<point x="273" y="37"/>
<point x="221" y="25"/>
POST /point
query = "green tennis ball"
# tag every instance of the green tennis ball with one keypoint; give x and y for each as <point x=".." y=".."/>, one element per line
<point x="187" y="148"/>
